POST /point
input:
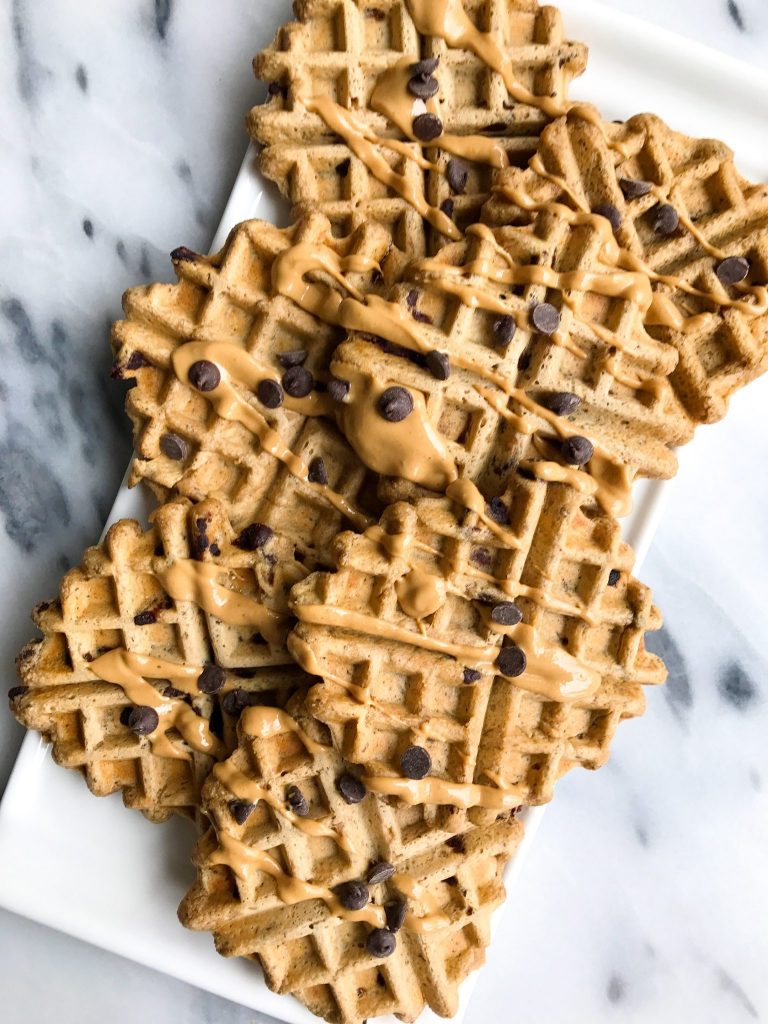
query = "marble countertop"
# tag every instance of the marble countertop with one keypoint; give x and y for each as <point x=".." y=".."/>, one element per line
<point x="646" y="897"/>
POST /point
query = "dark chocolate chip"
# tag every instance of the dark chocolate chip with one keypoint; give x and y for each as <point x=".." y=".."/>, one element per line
<point x="215" y="550"/>
<point x="610" y="212"/>
<point x="438" y="364"/>
<point x="204" y="375"/>
<point x="425" y="67"/>
<point x="17" y="691"/>
<point x="297" y="801"/>
<point x="379" y="872"/>
<point x="254" y="536"/>
<point x="295" y="358"/>
<point x="577" y="451"/>
<point x="318" y="474"/>
<point x="498" y="511"/>
<point x="184" y="255"/>
<point x="351" y="789"/>
<point x="504" y="330"/>
<point x="412" y="298"/>
<point x="381" y="943"/>
<point x="241" y="810"/>
<point x="447" y="207"/>
<point x="634" y="189"/>
<point x="395" y="915"/>
<point x="145" y="618"/>
<point x="211" y="679"/>
<point x="298" y="382"/>
<point x="235" y="701"/>
<point x="415" y="762"/>
<point x="563" y="403"/>
<point x="142" y="720"/>
<point x="666" y="219"/>
<point x="546" y="318"/>
<point x="174" y="447"/>
<point x="457" y="174"/>
<point x="395" y="404"/>
<point x="136" y="361"/>
<point x="732" y="270"/>
<point x="270" y="393"/>
<point x="427" y="127"/>
<point x="512" y="660"/>
<point x="471" y="675"/>
<point x="423" y="87"/>
<point x="613" y="577"/>
<point x="456" y="843"/>
<point x="338" y="389"/>
<point x="506" y="613"/>
<point x="353" y="895"/>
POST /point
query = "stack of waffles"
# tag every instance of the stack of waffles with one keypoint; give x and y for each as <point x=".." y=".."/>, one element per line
<point x="384" y="603"/>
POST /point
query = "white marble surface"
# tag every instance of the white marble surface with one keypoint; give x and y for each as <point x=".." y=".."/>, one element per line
<point x="646" y="896"/>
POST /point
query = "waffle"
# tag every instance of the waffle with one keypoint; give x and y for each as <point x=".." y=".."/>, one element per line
<point x="489" y="413"/>
<point x="387" y="687"/>
<point x="119" y="600"/>
<point x="721" y="214"/>
<point x="305" y="946"/>
<point x="340" y="48"/>
<point x="227" y="300"/>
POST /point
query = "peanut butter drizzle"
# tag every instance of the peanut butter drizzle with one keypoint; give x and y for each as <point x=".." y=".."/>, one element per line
<point x="230" y="405"/>
<point x="264" y="723"/>
<point x="130" y="671"/>
<point x="420" y="594"/>
<point x="551" y="672"/>
<point x="188" y="580"/>
<point x="247" y="789"/>
<point x="431" y="790"/>
<point x="244" y="860"/>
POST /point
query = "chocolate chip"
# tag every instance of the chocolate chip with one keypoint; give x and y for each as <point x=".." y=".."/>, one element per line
<point x="318" y="474"/>
<point x="353" y="895"/>
<point x="504" y="330"/>
<point x="577" y="451"/>
<point x="610" y="212"/>
<point x="297" y="801"/>
<point x="241" y="810"/>
<point x="235" y="701"/>
<point x="379" y="872"/>
<point x="174" y="447"/>
<point x="215" y="550"/>
<point x="563" y="403"/>
<point x="184" y="255"/>
<point x="412" y="298"/>
<point x="395" y="404"/>
<point x="498" y="511"/>
<point x="298" y="382"/>
<point x="447" y="207"/>
<point x="338" y="389"/>
<point x="613" y="577"/>
<point x="456" y="843"/>
<point x="415" y="762"/>
<point x="211" y="679"/>
<point x="395" y="915"/>
<point x="142" y="720"/>
<point x="634" y="189"/>
<point x="546" y="318"/>
<point x="732" y="270"/>
<point x="423" y="87"/>
<point x="438" y="364"/>
<point x="136" y="361"/>
<point x="295" y="358"/>
<point x="17" y="691"/>
<point x="427" y="127"/>
<point x="351" y="789"/>
<point x="270" y="393"/>
<point x="428" y="66"/>
<point x="457" y="174"/>
<point x="204" y="375"/>
<point x="145" y="618"/>
<point x="512" y="660"/>
<point x="471" y="675"/>
<point x="381" y="943"/>
<point x="666" y="219"/>
<point x="506" y="613"/>
<point x="254" y="536"/>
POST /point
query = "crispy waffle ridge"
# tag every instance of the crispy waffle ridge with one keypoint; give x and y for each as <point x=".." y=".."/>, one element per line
<point x="581" y="164"/>
<point x="227" y="301"/>
<point x="118" y="600"/>
<point x="340" y="48"/>
<point x="388" y="684"/>
<point x="490" y="414"/>
<point x="248" y="874"/>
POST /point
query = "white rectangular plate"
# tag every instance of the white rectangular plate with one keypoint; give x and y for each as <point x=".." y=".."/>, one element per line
<point x="88" y="867"/>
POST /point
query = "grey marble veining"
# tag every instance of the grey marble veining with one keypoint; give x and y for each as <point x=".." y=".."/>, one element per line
<point x="645" y="899"/>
